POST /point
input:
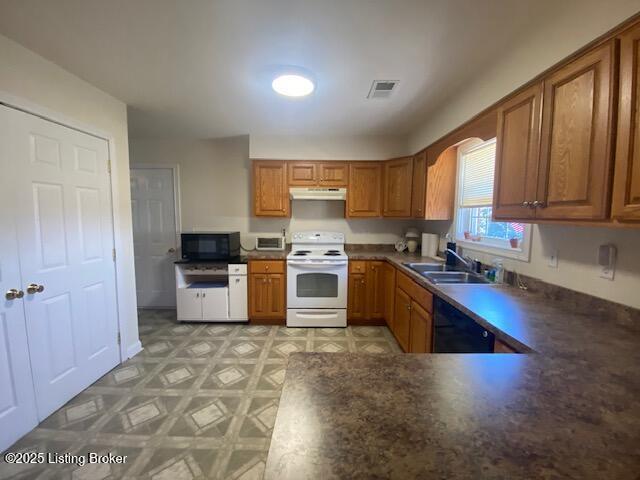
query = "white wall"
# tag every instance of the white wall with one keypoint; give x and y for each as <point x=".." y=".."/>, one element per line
<point x="364" y="147"/>
<point x="28" y="76"/>
<point x="576" y="246"/>
<point x="555" y="39"/>
<point x="216" y="193"/>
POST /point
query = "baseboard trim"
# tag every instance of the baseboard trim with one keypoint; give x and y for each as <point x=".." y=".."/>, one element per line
<point x="133" y="350"/>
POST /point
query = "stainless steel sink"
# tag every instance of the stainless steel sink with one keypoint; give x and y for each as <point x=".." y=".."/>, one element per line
<point x="422" y="268"/>
<point x="455" y="277"/>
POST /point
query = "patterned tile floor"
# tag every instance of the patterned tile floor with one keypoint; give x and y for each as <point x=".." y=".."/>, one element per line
<point x="199" y="402"/>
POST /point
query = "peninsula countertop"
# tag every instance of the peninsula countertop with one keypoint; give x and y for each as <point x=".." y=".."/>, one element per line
<point x="568" y="409"/>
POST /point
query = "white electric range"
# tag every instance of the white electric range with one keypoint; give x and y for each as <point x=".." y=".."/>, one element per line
<point x="317" y="270"/>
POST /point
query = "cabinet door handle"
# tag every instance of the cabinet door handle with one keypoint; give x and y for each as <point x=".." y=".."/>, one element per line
<point x="204" y="294"/>
<point x="198" y="295"/>
<point x="526" y="204"/>
<point x="538" y="204"/>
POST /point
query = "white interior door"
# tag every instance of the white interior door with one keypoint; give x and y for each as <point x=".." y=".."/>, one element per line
<point x="62" y="206"/>
<point x="154" y="235"/>
<point x="17" y="402"/>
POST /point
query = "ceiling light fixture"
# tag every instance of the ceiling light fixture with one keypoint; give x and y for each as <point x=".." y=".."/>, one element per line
<point x="291" y="85"/>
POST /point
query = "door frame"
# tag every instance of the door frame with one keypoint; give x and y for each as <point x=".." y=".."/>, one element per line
<point x="175" y="171"/>
<point x="24" y="105"/>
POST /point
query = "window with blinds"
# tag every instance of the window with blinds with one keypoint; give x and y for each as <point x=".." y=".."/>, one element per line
<point x="474" y="226"/>
<point x="476" y="175"/>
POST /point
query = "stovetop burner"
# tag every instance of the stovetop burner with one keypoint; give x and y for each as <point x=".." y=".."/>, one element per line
<point x="301" y="253"/>
<point x="333" y="253"/>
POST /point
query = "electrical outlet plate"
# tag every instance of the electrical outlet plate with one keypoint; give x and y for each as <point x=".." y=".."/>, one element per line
<point x="607" y="261"/>
<point x="553" y="259"/>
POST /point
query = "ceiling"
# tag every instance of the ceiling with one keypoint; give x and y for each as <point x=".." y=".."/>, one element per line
<point x="203" y="68"/>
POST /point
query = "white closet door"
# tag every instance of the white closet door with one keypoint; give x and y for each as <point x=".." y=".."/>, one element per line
<point x="154" y="235"/>
<point x="17" y="402"/>
<point x="63" y="216"/>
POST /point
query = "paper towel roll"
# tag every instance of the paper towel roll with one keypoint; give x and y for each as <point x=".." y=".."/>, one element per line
<point x="430" y="243"/>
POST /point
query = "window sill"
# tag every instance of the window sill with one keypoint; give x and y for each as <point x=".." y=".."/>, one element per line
<point x="523" y="255"/>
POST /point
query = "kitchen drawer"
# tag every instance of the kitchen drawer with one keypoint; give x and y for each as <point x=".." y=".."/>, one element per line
<point x="266" y="266"/>
<point x="420" y="295"/>
<point x="237" y="269"/>
<point x="357" y="266"/>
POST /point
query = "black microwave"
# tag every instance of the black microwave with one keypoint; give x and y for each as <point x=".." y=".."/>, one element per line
<point x="218" y="246"/>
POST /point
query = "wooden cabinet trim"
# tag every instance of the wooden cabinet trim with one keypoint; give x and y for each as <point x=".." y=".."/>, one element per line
<point x="402" y="318"/>
<point x="398" y="181"/>
<point x="419" y="185"/>
<point x="421" y="330"/>
<point x="333" y="174"/>
<point x="441" y="186"/>
<point x="364" y="191"/>
<point x="626" y="190"/>
<point x="564" y="198"/>
<point x="270" y="193"/>
<point x="302" y="174"/>
<point x="517" y="171"/>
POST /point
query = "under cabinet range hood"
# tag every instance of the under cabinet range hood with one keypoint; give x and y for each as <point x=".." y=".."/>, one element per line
<point x="317" y="193"/>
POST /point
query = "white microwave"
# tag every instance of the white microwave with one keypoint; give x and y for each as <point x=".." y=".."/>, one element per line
<point x="271" y="243"/>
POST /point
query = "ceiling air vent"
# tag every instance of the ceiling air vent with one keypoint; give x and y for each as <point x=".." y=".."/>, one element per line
<point x="382" y="88"/>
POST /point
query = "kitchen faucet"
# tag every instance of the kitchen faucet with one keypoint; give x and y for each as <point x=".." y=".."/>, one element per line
<point x="465" y="262"/>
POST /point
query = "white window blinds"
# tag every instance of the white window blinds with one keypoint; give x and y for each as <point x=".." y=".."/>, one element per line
<point x="476" y="182"/>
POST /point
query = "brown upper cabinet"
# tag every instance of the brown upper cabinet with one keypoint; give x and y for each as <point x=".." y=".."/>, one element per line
<point x="418" y="188"/>
<point x="398" y="181"/>
<point x="312" y="174"/>
<point x="576" y="158"/>
<point x="559" y="169"/>
<point x="270" y="191"/>
<point x="517" y="154"/>
<point x="626" y="196"/>
<point x="302" y="174"/>
<point x="333" y="174"/>
<point x="364" y="192"/>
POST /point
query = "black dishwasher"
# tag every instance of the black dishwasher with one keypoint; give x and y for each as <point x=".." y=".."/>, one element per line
<point x="455" y="332"/>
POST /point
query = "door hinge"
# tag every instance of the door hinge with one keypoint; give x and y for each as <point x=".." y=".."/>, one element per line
<point x="113" y="254"/>
<point x="119" y="338"/>
<point x="109" y="166"/>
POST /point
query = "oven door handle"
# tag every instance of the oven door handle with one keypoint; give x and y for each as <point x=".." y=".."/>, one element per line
<point x="316" y="315"/>
<point x="316" y="265"/>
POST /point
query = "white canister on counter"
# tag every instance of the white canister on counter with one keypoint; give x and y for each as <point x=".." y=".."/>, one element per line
<point x="411" y="238"/>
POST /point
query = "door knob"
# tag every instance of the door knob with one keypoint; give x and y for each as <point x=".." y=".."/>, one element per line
<point x="13" y="294"/>
<point x="171" y="250"/>
<point x="34" y="288"/>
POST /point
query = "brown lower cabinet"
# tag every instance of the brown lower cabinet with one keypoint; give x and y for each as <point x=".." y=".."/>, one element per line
<point x="267" y="291"/>
<point x="412" y="323"/>
<point x="402" y="319"/>
<point x="366" y="294"/>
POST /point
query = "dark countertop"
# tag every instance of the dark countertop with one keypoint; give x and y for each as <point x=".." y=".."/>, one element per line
<point x="571" y="410"/>
<point x="354" y="416"/>
<point x="268" y="254"/>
